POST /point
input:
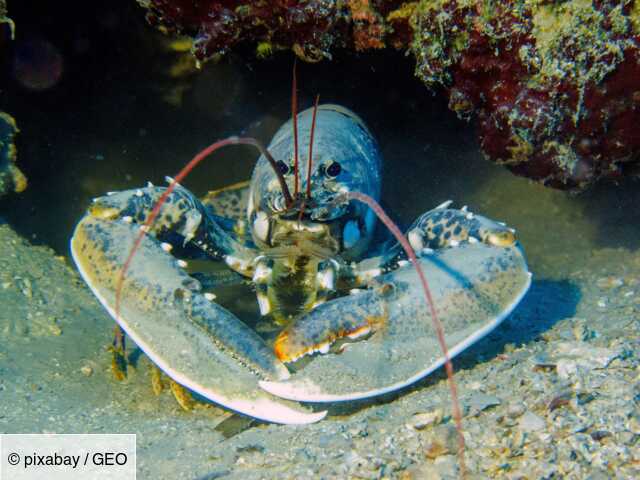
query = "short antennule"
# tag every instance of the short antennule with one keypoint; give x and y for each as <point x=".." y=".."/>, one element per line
<point x="310" y="160"/>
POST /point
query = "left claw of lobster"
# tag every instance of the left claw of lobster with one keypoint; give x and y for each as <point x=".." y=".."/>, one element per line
<point x="196" y="342"/>
<point x="474" y="288"/>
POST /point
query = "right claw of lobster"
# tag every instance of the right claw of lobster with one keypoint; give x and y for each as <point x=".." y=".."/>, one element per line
<point x="196" y="342"/>
<point x="474" y="288"/>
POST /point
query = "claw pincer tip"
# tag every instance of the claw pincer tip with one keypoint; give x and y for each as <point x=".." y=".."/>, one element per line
<point x="317" y="332"/>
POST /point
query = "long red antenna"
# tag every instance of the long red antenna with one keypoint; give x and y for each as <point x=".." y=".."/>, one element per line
<point x="294" y="115"/>
<point x="309" y="162"/>
<point x="437" y="325"/>
<point x="178" y="178"/>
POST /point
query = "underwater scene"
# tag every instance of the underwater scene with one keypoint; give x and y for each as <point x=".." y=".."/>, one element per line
<point x="323" y="239"/>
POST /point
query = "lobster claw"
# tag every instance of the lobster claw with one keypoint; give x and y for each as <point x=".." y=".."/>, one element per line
<point x="194" y="341"/>
<point x="474" y="288"/>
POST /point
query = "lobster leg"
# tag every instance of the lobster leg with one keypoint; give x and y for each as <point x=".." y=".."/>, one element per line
<point x="196" y="342"/>
<point x="181" y="394"/>
<point x="119" y="357"/>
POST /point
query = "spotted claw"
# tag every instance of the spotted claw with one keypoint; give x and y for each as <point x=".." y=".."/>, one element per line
<point x="447" y="227"/>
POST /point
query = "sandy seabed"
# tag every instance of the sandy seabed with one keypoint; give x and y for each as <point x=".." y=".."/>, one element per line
<point x="553" y="393"/>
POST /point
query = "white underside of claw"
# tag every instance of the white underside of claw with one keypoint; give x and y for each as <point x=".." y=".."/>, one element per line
<point x="261" y="407"/>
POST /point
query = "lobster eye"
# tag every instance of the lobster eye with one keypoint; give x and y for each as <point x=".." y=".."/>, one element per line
<point x="283" y="168"/>
<point x="333" y="170"/>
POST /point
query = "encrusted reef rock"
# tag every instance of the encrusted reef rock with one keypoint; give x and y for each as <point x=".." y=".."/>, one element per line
<point x="11" y="178"/>
<point x="4" y="20"/>
<point x="555" y="85"/>
<point x="311" y="28"/>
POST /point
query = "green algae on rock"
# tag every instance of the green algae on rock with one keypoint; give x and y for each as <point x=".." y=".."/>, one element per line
<point x="11" y="178"/>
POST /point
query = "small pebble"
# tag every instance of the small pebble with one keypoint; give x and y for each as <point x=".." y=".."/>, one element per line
<point x="515" y="410"/>
<point x="86" y="370"/>
<point x="560" y="400"/>
<point x="530" y="422"/>
<point x="581" y="332"/>
<point x="609" y="283"/>
<point x="626" y="438"/>
<point x="444" y="441"/>
<point x="420" y="421"/>
<point x="600" y="434"/>
<point x="435" y="449"/>
<point x="55" y="329"/>
<point x="27" y="290"/>
<point x="479" y="401"/>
